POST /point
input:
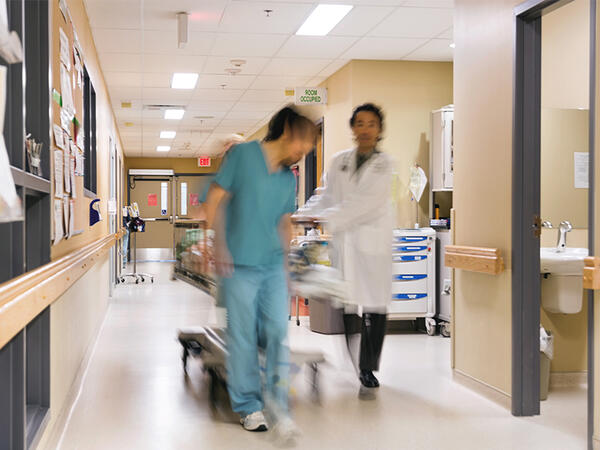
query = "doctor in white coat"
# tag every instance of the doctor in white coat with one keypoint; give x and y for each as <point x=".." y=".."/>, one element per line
<point x="356" y="206"/>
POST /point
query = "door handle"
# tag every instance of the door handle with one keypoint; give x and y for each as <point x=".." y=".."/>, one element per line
<point x="537" y="226"/>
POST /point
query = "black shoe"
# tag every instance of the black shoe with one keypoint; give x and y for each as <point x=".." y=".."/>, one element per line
<point x="367" y="379"/>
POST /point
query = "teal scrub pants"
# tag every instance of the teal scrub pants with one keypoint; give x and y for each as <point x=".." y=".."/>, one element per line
<point x="256" y="298"/>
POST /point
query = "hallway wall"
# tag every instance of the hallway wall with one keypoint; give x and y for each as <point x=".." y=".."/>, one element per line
<point x="75" y="320"/>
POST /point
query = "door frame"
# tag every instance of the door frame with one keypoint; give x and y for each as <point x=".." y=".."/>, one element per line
<point x="526" y="206"/>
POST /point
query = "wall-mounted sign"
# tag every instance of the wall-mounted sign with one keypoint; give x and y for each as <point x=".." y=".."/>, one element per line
<point x="311" y="96"/>
<point x="152" y="200"/>
<point x="204" y="161"/>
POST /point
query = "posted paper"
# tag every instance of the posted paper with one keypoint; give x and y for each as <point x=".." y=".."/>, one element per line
<point x="67" y="91"/>
<point x="65" y="209"/>
<point x="72" y="173"/>
<point x="59" y="137"/>
<point x="582" y="170"/>
<point x="65" y="49"/>
<point x="67" y="170"/>
<point x="58" y="220"/>
<point x="58" y="173"/>
<point x="71" y="217"/>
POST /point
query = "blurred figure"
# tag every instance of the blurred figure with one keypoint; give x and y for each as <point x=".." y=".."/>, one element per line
<point x="356" y="206"/>
<point x="249" y="205"/>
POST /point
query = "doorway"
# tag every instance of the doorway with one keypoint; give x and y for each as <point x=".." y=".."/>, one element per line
<point x="313" y="164"/>
<point x="528" y="221"/>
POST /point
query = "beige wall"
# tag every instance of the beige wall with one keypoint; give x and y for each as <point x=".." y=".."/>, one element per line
<point x="597" y="240"/>
<point x="483" y="97"/>
<point x="565" y="56"/>
<point x="563" y="132"/>
<point x="179" y="165"/>
<point x="75" y="320"/>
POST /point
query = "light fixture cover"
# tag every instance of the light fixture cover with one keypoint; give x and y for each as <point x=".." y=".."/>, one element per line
<point x="323" y="19"/>
<point x="167" y="134"/>
<point x="184" y="80"/>
<point x="163" y="148"/>
<point x="174" y="114"/>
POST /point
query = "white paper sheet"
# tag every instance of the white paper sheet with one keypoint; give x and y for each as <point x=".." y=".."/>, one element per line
<point x="582" y="170"/>
<point x="65" y="49"/>
<point x="79" y="163"/>
<point x="71" y="217"/>
<point x="65" y="122"/>
<point x="67" y="170"/>
<point x="67" y="91"/>
<point x="59" y="165"/>
<point x="164" y="198"/>
<point x="65" y="209"/>
<point x="59" y="137"/>
<point x="10" y="203"/>
<point x="72" y="176"/>
<point x="64" y="9"/>
<point x="58" y="220"/>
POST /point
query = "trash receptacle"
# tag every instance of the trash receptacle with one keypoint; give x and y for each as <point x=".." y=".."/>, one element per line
<point x="546" y="354"/>
<point x="324" y="318"/>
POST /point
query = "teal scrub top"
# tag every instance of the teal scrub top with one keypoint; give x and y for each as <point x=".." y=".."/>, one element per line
<point x="258" y="200"/>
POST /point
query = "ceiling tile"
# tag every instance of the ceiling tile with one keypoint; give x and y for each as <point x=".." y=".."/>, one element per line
<point x="246" y="115"/>
<point x="102" y="14"/>
<point x="265" y="107"/>
<point x="272" y="96"/>
<point x="316" y="46"/>
<point x="167" y="95"/>
<point x="434" y="50"/>
<point x="383" y="48"/>
<point x="118" y="41"/>
<point x="250" y="17"/>
<point x="295" y="66"/>
<point x="203" y="16"/>
<point x="212" y="107"/>
<point x="360" y="20"/>
<point x="247" y="44"/>
<point x="121" y="62"/>
<point x="415" y="23"/>
<point x="229" y="81"/>
<point x="448" y="34"/>
<point x="430" y="3"/>
<point x="166" y="42"/>
<point x="266" y="82"/>
<point x="218" y="64"/>
<point x="333" y="67"/>
<point x="170" y="63"/>
<point x="135" y="79"/>
<point x="212" y="95"/>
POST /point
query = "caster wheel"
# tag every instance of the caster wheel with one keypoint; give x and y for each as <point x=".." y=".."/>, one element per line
<point x="143" y="279"/>
<point x="152" y="280"/>
<point x="137" y="281"/>
<point x="430" y="326"/>
<point x="445" y="330"/>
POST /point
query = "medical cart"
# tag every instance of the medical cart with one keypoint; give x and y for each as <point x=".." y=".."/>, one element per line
<point x="413" y="276"/>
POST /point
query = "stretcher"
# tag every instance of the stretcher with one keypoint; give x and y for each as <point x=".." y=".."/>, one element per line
<point x="208" y="344"/>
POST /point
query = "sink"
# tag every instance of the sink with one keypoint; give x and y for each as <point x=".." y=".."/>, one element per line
<point x="567" y="262"/>
<point x="562" y="279"/>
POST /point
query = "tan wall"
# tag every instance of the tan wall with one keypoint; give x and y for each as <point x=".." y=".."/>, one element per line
<point x="75" y="320"/>
<point x="106" y="125"/>
<point x="179" y="165"/>
<point x="563" y="132"/>
<point x="565" y="56"/>
<point x="597" y="240"/>
<point x="483" y="96"/>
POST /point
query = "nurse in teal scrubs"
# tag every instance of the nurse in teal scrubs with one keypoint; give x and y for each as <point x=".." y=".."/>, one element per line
<point x="249" y="206"/>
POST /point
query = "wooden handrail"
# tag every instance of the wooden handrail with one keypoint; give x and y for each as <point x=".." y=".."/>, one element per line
<point x="591" y="273"/>
<point x="24" y="297"/>
<point x="474" y="259"/>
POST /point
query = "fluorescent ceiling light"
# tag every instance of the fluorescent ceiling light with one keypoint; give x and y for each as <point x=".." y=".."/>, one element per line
<point x="167" y="134"/>
<point x="174" y="114"/>
<point x="184" y="80"/>
<point x="323" y="19"/>
<point x="163" y="148"/>
<point x="452" y="45"/>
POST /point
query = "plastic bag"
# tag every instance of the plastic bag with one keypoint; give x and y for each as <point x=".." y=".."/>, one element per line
<point x="546" y="342"/>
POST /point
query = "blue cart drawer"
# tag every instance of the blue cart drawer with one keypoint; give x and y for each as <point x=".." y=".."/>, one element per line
<point x="410" y="238"/>
<point x="409" y="277"/>
<point x="410" y="248"/>
<point x="408" y="296"/>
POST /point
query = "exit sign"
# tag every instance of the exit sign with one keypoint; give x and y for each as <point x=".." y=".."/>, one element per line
<point x="204" y="161"/>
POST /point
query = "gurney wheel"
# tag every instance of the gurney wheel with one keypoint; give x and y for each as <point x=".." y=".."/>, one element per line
<point x="430" y="326"/>
<point x="315" y="391"/>
<point x="137" y="281"/>
<point x="445" y="329"/>
<point x="184" y="358"/>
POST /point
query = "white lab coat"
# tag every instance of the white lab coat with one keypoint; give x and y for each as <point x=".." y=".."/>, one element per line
<point x="357" y="207"/>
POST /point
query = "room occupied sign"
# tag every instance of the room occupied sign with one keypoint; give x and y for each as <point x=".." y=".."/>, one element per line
<point x="204" y="161"/>
<point x="311" y="96"/>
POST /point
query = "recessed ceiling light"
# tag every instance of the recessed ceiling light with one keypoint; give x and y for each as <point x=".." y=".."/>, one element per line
<point x="184" y="80"/>
<point x="452" y="45"/>
<point x="163" y="148"/>
<point x="323" y="19"/>
<point x="167" y="134"/>
<point x="174" y="114"/>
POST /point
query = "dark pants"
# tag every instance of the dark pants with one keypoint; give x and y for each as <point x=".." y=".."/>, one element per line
<point x="372" y="329"/>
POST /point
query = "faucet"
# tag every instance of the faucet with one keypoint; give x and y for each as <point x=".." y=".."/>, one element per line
<point x="563" y="229"/>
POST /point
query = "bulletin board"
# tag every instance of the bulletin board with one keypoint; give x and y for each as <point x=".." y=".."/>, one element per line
<point x="67" y="117"/>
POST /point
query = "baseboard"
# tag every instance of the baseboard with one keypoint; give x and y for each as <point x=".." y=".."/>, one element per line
<point x="52" y="435"/>
<point x="490" y="392"/>
<point x="568" y="379"/>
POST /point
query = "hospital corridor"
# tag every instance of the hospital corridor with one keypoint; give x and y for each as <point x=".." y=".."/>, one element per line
<point x="268" y="224"/>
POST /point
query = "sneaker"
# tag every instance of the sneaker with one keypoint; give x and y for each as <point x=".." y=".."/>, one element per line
<point x="368" y="380"/>
<point x="254" y="422"/>
<point x="286" y="431"/>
